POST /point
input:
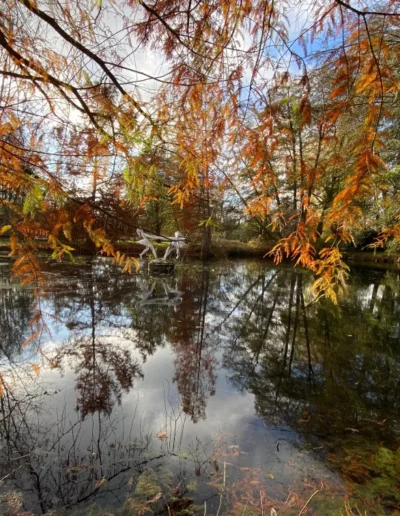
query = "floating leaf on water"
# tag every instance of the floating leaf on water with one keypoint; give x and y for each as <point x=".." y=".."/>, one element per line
<point x="78" y="468"/>
<point x="36" y="368"/>
<point x="162" y="435"/>
<point x="99" y="482"/>
<point x="155" y="498"/>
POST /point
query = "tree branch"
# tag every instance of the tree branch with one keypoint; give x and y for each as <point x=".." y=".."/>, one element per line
<point x="365" y="13"/>
<point x="53" y="23"/>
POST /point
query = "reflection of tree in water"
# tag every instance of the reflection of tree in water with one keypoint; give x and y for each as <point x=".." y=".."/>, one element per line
<point x="151" y="313"/>
<point x="143" y="314"/>
<point x="105" y="304"/>
<point x="195" y="363"/>
<point x="333" y="368"/>
<point x="57" y="462"/>
<point x="195" y="339"/>
<point x="104" y="370"/>
<point x="16" y="310"/>
<point x="104" y="310"/>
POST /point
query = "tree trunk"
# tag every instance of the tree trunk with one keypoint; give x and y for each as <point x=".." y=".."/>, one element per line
<point x="206" y="247"/>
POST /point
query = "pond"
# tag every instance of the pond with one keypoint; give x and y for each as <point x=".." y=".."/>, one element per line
<point x="222" y="390"/>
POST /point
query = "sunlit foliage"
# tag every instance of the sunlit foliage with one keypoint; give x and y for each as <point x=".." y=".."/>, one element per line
<point x="292" y="124"/>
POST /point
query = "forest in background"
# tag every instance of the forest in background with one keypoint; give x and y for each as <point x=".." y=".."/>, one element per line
<point x="271" y="121"/>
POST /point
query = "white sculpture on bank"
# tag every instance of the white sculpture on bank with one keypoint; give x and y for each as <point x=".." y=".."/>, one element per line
<point x="176" y="243"/>
<point x="146" y="242"/>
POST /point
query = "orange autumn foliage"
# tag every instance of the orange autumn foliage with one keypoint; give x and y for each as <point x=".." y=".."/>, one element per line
<point x="242" y="108"/>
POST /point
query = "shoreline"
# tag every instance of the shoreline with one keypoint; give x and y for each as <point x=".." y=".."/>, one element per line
<point x="231" y="249"/>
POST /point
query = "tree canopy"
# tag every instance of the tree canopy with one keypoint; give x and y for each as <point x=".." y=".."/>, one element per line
<point x="285" y="109"/>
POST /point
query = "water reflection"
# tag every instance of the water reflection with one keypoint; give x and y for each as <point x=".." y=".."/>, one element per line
<point x="195" y="360"/>
<point x="55" y="461"/>
<point x="337" y="366"/>
<point x="15" y="314"/>
<point x="172" y="296"/>
<point x="234" y="352"/>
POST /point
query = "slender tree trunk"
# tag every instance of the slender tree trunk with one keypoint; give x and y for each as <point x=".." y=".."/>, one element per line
<point x="206" y="247"/>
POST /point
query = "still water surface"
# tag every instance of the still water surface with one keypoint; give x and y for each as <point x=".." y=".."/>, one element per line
<point x="221" y="390"/>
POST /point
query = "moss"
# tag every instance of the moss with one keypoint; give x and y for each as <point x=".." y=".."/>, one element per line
<point x="385" y="479"/>
<point x="374" y="479"/>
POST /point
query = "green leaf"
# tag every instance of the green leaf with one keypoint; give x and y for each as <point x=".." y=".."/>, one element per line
<point x="33" y="200"/>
